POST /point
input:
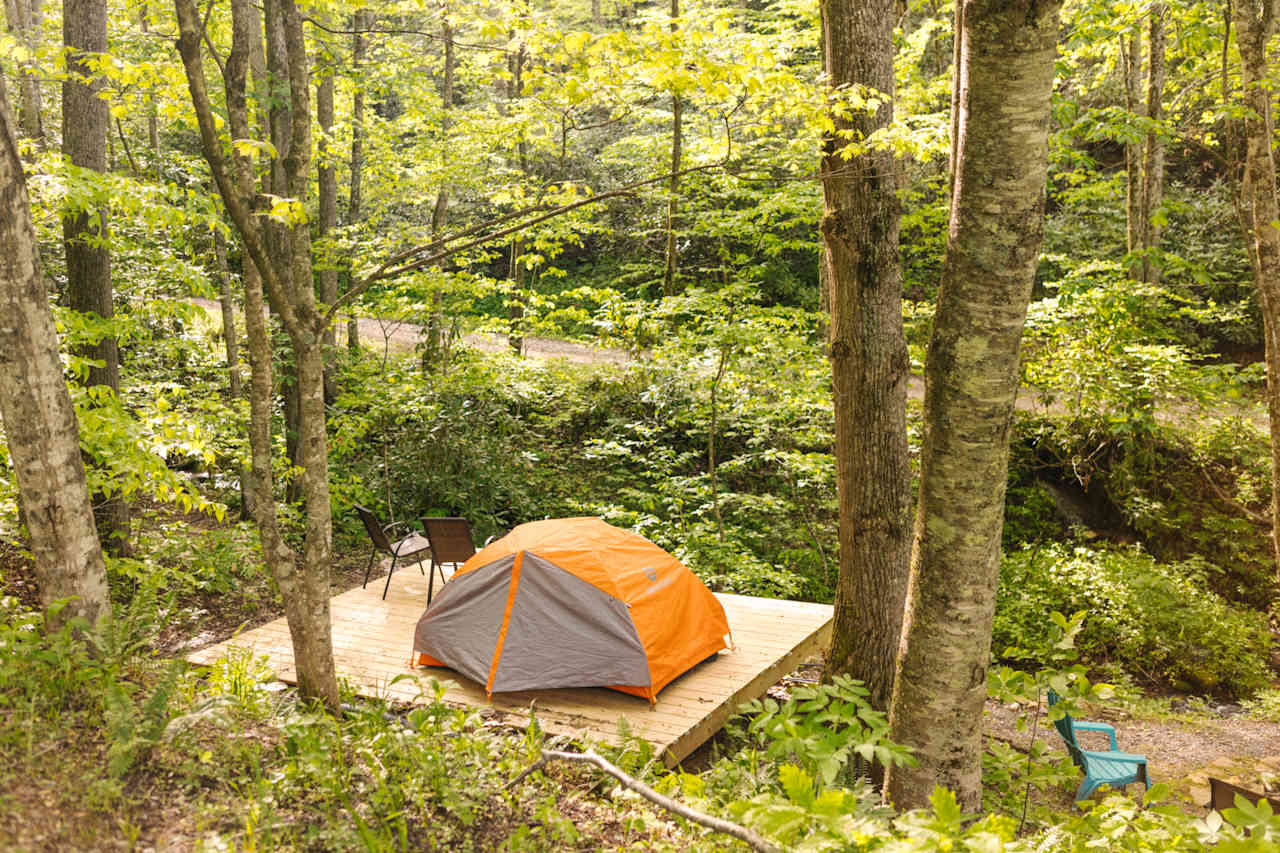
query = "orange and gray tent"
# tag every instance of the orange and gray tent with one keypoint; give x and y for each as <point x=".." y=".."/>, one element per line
<point x="571" y="602"/>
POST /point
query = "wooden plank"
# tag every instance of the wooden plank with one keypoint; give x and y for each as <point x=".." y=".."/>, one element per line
<point x="371" y="648"/>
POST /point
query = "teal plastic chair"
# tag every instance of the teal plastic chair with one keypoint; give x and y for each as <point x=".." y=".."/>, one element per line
<point x="1114" y="768"/>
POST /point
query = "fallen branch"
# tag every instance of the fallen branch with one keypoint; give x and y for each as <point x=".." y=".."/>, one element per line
<point x="753" y="839"/>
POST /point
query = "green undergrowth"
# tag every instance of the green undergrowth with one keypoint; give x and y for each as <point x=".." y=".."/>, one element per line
<point x="119" y="749"/>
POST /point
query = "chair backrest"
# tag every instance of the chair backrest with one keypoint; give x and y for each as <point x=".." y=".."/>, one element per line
<point x="1066" y="727"/>
<point x="450" y="539"/>
<point x="374" y="527"/>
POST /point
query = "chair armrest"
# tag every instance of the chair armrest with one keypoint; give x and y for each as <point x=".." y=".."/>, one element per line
<point x="396" y="525"/>
<point x="1127" y="757"/>
<point x="1098" y="727"/>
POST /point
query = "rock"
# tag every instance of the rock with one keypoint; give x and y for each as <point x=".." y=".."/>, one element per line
<point x="1230" y="709"/>
<point x="1199" y="794"/>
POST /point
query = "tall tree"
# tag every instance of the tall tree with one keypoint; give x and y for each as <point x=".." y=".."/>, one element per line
<point x="677" y="145"/>
<point x="1255" y="22"/>
<point x="84" y="142"/>
<point x="327" y="190"/>
<point x="971" y="377"/>
<point x="39" y="422"/>
<point x="869" y="362"/>
<point x="440" y="212"/>
<point x="23" y="18"/>
<point x="1151" y="181"/>
<point x="283" y="260"/>
<point x="361" y="22"/>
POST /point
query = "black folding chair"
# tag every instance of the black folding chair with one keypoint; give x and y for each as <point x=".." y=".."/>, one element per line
<point x="451" y="542"/>
<point x="407" y="547"/>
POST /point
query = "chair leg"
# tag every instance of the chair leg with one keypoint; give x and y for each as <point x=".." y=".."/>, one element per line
<point x="431" y="579"/>
<point x="390" y="572"/>
<point x="369" y="568"/>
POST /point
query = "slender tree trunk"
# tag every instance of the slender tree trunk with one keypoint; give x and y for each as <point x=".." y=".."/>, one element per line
<point x="85" y="125"/>
<point x="327" y="181"/>
<point x="1131" y="60"/>
<point x="39" y="422"/>
<point x="959" y="94"/>
<point x="153" y="119"/>
<point x="440" y="213"/>
<point x="285" y="265"/>
<point x="1255" y="23"/>
<point x="1153" y="156"/>
<point x="515" y="301"/>
<point x="361" y="22"/>
<point x="227" y="303"/>
<point x="869" y="362"/>
<point x="971" y="377"/>
<point x="23" y="18"/>
<point x="677" y="142"/>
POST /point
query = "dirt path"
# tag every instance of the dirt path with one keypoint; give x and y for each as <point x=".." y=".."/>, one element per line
<point x="1182" y="752"/>
<point x="402" y="337"/>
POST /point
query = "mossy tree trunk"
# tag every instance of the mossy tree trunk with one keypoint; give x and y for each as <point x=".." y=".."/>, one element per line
<point x="971" y="377"/>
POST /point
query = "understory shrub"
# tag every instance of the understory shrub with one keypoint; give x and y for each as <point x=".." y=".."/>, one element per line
<point x="1158" y="620"/>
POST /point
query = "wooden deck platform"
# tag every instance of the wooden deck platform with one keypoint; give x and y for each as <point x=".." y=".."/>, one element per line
<point x="372" y="640"/>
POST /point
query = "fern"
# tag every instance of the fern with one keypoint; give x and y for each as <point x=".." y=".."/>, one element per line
<point x="134" y="730"/>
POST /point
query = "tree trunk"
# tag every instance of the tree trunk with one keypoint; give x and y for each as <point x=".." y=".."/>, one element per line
<point x="515" y="300"/>
<point x="327" y="181"/>
<point x="1153" y="156"/>
<point x="1131" y="60"/>
<point x="1255" y="22"/>
<point x="153" y="118"/>
<point x="23" y="18"/>
<point x="971" y="377"/>
<point x="227" y="303"/>
<point x="677" y="142"/>
<point x="84" y="142"/>
<point x="285" y="266"/>
<point x="440" y="213"/>
<point x="361" y="22"/>
<point x="869" y="362"/>
<point x="39" y="422"/>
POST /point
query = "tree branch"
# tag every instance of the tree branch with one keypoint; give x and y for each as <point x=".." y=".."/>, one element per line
<point x="389" y="269"/>
<point x="742" y="833"/>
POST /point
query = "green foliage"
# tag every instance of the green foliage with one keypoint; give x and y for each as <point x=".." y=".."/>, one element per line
<point x="828" y="729"/>
<point x="1157" y="619"/>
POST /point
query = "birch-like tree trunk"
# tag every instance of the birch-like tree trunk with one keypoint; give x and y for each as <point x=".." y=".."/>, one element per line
<point x="869" y="362"/>
<point x="1255" y="21"/>
<point x="971" y="377"/>
<point x="39" y="422"/>
<point x="85" y="125"/>
<point x="226" y="302"/>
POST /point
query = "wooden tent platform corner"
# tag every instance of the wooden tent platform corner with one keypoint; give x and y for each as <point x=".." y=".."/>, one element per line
<point x="372" y="640"/>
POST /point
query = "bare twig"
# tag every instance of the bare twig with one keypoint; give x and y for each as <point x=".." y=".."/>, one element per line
<point x="750" y="837"/>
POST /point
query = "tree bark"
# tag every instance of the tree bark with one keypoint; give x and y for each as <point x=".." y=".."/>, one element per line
<point x="23" y="18"/>
<point x="869" y="362"/>
<point x="440" y="213"/>
<point x="327" y="184"/>
<point x="285" y="265"/>
<point x="361" y="22"/>
<point x="1131" y="60"/>
<point x="677" y="144"/>
<point x="971" y="377"/>
<point x="39" y="422"/>
<point x="1153" y="156"/>
<point x="85" y="125"/>
<point x="227" y="303"/>
<point x="1255" y="22"/>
